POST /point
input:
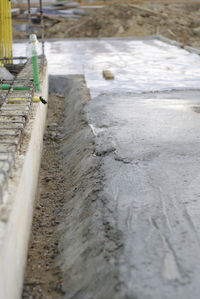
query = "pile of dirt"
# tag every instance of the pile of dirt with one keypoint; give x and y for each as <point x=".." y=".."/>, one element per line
<point x="177" y="22"/>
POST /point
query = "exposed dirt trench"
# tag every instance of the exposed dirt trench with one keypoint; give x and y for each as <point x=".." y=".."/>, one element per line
<point x="74" y="248"/>
<point x="42" y="277"/>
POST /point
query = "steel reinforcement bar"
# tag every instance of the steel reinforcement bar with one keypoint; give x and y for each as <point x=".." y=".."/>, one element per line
<point x="5" y="31"/>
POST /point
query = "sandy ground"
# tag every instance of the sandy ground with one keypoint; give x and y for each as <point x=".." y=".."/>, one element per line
<point x="177" y="22"/>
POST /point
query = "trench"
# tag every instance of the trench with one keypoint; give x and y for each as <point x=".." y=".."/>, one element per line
<point x="73" y="248"/>
<point x="42" y="276"/>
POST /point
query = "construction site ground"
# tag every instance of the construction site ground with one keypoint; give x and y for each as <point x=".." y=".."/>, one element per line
<point x="117" y="213"/>
<point x="179" y="22"/>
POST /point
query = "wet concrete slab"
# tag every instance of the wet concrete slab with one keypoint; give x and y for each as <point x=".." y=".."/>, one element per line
<point x="150" y="148"/>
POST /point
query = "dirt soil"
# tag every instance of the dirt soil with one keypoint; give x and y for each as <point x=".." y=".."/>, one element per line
<point x="74" y="250"/>
<point x="177" y="22"/>
<point x="42" y="277"/>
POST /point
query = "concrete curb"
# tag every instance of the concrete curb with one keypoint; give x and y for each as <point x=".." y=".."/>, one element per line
<point x="18" y="200"/>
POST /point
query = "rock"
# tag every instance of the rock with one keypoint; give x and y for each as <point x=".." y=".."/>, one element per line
<point x="108" y="75"/>
<point x="120" y="30"/>
<point x="140" y="21"/>
<point x="53" y="126"/>
<point x="165" y="15"/>
<point x="196" y="31"/>
<point x="162" y="22"/>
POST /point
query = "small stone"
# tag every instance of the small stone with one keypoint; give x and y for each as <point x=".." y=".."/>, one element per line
<point x="197" y="31"/>
<point x="52" y="126"/>
<point x="4" y="213"/>
<point x="165" y="15"/>
<point x="108" y="75"/>
<point x="140" y="21"/>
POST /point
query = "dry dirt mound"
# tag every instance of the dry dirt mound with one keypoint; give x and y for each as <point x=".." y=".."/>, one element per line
<point x="181" y="23"/>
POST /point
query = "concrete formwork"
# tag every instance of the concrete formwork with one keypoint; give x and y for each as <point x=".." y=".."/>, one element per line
<point x="21" y="127"/>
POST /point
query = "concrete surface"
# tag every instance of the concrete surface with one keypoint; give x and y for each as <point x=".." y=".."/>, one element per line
<point x="149" y="146"/>
<point x="138" y="65"/>
<point x="131" y="225"/>
<point x="5" y="74"/>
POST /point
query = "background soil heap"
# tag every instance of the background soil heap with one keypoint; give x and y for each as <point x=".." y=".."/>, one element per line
<point x="177" y="22"/>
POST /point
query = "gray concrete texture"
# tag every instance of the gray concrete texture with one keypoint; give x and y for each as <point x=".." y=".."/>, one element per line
<point x="5" y="74"/>
<point x="13" y="119"/>
<point x="132" y="225"/>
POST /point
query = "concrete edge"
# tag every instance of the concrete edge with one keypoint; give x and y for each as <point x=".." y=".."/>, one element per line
<point x="21" y="195"/>
<point x="175" y="43"/>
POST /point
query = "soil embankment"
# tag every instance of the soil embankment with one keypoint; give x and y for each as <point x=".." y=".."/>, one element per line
<point x="177" y="22"/>
<point x="83" y="264"/>
<point x="42" y="277"/>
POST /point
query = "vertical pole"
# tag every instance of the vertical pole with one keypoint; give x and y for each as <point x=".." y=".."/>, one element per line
<point x="1" y="29"/>
<point x="42" y="25"/>
<point x="29" y="15"/>
<point x="35" y="72"/>
<point x="6" y="31"/>
<point x="34" y="54"/>
<point x="10" y="32"/>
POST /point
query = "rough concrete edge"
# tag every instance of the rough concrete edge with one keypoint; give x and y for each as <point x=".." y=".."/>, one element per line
<point x="151" y="37"/>
<point x="134" y="38"/>
<point x="21" y="194"/>
<point x="175" y="43"/>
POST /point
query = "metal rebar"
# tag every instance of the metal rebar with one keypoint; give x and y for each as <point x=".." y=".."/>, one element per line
<point x="42" y="26"/>
<point x="29" y="15"/>
<point x="15" y="58"/>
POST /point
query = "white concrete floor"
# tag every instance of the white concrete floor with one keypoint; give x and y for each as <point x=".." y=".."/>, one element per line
<point x="138" y="65"/>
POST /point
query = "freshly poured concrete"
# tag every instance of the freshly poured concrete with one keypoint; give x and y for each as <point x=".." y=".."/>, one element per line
<point x="145" y="125"/>
<point x="150" y="147"/>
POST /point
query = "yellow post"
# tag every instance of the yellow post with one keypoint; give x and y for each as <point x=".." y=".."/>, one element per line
<point x="6" y="31"/>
